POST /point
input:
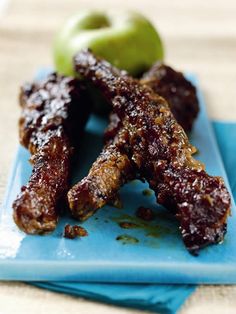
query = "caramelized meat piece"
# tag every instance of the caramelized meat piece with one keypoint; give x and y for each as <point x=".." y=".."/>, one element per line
<point x="177" y="90"/>
<point x="35" y="208"/>
<point x="160" y="149"/>
<point x="110" y="171"/>
<point x="72" y="232"/>
<point x="181" y="96"/>
<point x="53" y="116"/>
<point x="115" y="124"/>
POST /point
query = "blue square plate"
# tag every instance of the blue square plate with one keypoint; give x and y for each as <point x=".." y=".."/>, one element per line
<point x="152" y="253"/>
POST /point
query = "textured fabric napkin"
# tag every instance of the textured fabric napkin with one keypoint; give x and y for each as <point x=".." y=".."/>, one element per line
<point x="156" y="298"/>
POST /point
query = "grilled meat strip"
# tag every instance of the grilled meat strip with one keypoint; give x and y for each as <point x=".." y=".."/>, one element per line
<point x="110" y="171"/>
<point x="160" y="149"/>
<point x="53" y="116"/>
<point x="96" y="189"/>
<point x="177" y="90"/>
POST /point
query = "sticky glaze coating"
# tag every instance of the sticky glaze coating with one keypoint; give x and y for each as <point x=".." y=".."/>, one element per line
<point x="181" y="96"/>
<point x="160" y="149"/>
<point x="107" y="174"/>
<point x="72" y="232"/>
<point x="53" y="116"/>
<point x="177" y="90"/>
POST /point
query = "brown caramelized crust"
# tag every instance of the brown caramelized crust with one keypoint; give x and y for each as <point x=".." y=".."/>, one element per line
<point x="53" y="116"/>
<point x="160" y="149"/>
<point x="72" y="232"/>
<point x="180" y="94"/>
<point x="107" y="174"/>
<point x="177" y="90"/>
<point x="183" y="102"/>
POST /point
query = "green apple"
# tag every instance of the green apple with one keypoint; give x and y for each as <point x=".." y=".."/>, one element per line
<point x="125" y="39"/>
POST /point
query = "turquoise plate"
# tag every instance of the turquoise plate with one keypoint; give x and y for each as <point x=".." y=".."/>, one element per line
<point x="151" y="253"/>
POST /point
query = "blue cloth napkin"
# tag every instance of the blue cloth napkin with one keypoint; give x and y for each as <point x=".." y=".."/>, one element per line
<point x="165" y="299"/>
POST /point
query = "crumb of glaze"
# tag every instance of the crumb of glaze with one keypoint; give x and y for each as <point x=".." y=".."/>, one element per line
<point x="72" y="232"/>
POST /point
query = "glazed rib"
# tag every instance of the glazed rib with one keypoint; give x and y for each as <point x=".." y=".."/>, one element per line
<point x="107" y="174"/>
<point x="181" y="95"/>
<point x="177" y="90"/>
<point x="52" y="119"/>
<point x="159" y="147"/>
